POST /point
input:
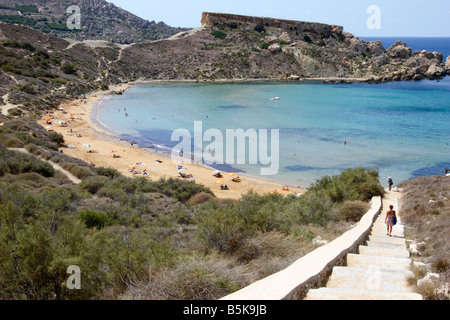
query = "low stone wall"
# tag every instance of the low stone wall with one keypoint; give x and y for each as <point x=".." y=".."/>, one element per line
<point x="314" y="269"/>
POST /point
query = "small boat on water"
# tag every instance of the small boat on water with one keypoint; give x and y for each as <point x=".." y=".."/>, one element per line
<point x="275" y="98"/>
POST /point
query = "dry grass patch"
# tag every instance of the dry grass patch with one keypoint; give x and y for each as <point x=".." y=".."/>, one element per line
<point x="426" y="213"/>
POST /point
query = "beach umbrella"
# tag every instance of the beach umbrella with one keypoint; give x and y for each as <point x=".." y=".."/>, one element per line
<point x="217" y="171"/>
<point x="220" y="181"/>
<point x="233" y="174"/>
<point x="181" y="170"/>
<point x="86" y="146"/>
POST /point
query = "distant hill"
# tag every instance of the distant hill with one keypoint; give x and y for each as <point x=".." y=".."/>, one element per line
<point x="100" y="20"/>
<point x="39" y="71"/>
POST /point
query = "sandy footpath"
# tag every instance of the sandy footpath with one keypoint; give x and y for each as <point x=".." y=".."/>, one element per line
<point x="83" y="134"/>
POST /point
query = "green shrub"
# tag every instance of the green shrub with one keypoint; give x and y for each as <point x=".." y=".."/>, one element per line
<point x="93" y="184"/>
<point x="68" y="68"/>
<point x="219" y="34"/>
<point x="200" y="198"/>
<point x="219" y="227"/>
<point x="179" y="189"/>
<point x="56" y="137"/>
<point x="351" y="184"/>
<point x="270" y="244"/>
<point x="92" y="218"/>
<point x="81" y="172"/>
<point x="353" y="210"/>
<point x="224" y="226"/>
<point x="10" y="141"/>
<point x="107" y="172"/>
<point x="7" y="68"/>
<point x="198" y="278"/>
<point x="27" y="8"/>
<point x="42" y="54"/>
<point x="17" y="19"/>
<point x="312" y="208"/>
<point x="19" y="45"/>
<point x="15" y="162"/>
<point x="260" y="27"/>
<point x="15" y="112"/>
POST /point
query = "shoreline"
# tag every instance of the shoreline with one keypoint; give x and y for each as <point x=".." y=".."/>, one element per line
<point x="324" y="80"/>
<point x="84" y="134"/>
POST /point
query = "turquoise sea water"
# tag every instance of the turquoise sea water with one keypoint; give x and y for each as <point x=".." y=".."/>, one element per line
<point x="401" y="128"/>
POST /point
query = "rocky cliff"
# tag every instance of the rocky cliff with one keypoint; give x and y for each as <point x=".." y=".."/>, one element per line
<point x="401" y="63"/>
<point x="210" y="19"/>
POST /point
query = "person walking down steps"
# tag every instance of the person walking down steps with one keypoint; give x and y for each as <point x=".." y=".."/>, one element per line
<point x="390" y="183"/>
<point x="390" y="220"/>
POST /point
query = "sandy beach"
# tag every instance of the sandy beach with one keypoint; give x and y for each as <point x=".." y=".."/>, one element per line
<point x="83" y="135"/>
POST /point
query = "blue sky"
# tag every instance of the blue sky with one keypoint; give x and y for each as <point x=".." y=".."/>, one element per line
<point x="406" y="18"/>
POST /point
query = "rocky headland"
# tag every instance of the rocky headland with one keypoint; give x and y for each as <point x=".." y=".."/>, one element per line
<point x="234" y="47"/>
<point x="39" y="70"/>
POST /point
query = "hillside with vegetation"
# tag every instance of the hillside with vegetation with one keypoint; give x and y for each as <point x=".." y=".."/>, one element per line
<point x="134" y="238"/>
<point x="172" y="239"/>
<point x="101" y="20"/>
<point x="38" y="71"/>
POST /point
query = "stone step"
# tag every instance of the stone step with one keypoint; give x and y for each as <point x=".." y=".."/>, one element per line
<point x="365" y="261"/>
<point x="382" y="225"/>
<point x="383" y="252"/>
<point x="381" y="236"/>
<point x="352" y="294"/>
<point x="379" y="225"/>
<point x="386" y="245"/>
<point x="370" y="279"/>
<point x="387" y="239"/>
<point x="395" y="229"/>
<point x="383" y="233"/>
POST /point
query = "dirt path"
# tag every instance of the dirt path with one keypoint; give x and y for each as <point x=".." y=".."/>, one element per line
<point x="70" y="176"/>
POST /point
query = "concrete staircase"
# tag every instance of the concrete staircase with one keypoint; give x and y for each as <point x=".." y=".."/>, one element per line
<point x="379" y="272"/>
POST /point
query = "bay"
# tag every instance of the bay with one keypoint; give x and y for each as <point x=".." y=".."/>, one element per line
<point x="400" y="128"/>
